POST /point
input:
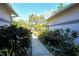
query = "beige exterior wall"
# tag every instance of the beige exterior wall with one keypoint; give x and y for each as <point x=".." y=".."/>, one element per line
<point x="67" y="12"/>
<point x="4" y="14"/>
<point x="70" y="14"/>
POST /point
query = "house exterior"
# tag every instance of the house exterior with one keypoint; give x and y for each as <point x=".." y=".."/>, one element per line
<point x="65" y="18"/>
<point x="6" y="13"/>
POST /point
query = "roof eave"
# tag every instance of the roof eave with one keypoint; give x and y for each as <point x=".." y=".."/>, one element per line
<point x="11" y="9"/>
<point x="61" y="10"/>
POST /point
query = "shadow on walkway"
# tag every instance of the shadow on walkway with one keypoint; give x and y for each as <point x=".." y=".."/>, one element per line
<point x="38" y="49"/>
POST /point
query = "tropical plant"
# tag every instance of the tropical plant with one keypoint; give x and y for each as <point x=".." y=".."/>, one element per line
<point x="20" y="23"/>
<point x="60" y="42"/>
<point x="61" y="5"/>
<point x="6" y="52"/>
<point x="16" y="38"/>
<point x="37" y="24"/>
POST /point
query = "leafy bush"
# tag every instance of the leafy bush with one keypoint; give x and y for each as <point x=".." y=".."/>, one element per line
<point x="60" y="42"/>
<point x="6" y="52"/>
<point x="16" y="38"/>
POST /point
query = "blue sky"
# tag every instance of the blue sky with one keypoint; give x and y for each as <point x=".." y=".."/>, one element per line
<point x="26" y="9"/>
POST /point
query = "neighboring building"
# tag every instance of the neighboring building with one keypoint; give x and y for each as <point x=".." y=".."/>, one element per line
<point x="6" y="13"/>
<point x="65" y="18"/>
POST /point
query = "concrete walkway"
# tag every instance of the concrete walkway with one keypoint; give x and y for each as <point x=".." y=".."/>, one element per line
<point x="38" y="49"/>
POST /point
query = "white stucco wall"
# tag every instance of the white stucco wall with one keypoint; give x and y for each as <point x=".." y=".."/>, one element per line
<point x="71" y="26"/>
<point x="4" y="23"/>
<point x="74" y="15"/>
<point x="4" y="15"/>
<point x="68" y="17"/>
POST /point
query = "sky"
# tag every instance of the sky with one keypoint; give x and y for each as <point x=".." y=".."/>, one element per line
<point x="26" y="9"/>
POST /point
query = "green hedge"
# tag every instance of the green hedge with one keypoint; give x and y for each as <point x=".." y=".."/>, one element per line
<point x="60" y="42"/>
<point x="16" y="39"/>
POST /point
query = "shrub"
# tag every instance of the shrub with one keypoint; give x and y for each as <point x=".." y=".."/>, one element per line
<point x="60" y="42"/>
<point x="6" y="52"/>
<point x="16" y="38"/>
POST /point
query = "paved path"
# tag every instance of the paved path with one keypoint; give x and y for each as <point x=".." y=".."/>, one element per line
<point x="38" y="49"/>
